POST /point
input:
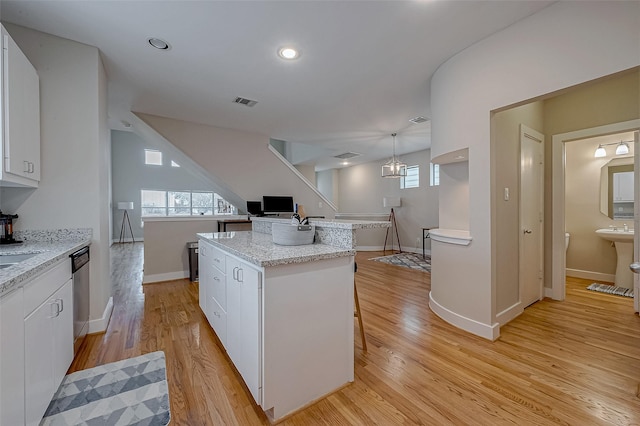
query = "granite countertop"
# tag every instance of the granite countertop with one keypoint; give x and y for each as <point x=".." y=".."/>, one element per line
<point x="48" y="253"/>
<point x="259" y="249"/>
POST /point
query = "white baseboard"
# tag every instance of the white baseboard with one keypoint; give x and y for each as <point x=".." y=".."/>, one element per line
<point x="165" y="277"/>
<point x="510" y="313"/>
<point x="99" y="325"/>
<point x="590" y="275"/>
<point x="491" y="332"/>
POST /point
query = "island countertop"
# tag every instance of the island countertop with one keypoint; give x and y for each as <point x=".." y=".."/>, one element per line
<point x="259" y="249"/>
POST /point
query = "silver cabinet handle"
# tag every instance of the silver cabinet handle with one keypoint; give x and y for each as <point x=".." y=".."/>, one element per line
<point x="25" y="169"/>
<point x="235" y="273"/>
<point x="216" y="279"/>
<point x="61" y="304"/>
<point x="527" y="231"/>
<point x="57" y="309"/>
<point x="635" y="267"/>
<point x="240" y="275"/>
<point x="31" y="167"/>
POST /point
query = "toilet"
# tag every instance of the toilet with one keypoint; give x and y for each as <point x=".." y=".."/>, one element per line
<point x="566" y="241"/>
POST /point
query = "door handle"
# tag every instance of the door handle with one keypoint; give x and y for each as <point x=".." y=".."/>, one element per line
<point x="527" y="231"/>
<point x="635" y="267"/>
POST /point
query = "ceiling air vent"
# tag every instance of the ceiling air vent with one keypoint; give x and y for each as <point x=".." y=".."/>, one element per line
<point x="246" y="102"/>
<point x="418" y="120"/>
<point x="347" y="155"/>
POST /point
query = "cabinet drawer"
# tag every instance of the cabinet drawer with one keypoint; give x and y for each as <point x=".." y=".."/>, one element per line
<point x="218" y="319"/>
<point x="218" y="287"/>
<point x="217" y="258"/>
<point x="43" y="286"/>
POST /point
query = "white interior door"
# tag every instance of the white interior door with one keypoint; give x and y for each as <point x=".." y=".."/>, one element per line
<point x="531" y="271"/>
<point x="636" y="220"/>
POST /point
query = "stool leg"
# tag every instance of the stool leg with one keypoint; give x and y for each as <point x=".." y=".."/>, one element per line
<point x="359" y="315"/>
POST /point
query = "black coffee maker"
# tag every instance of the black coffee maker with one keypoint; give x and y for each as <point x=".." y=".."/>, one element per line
<point x="6" y="228"/>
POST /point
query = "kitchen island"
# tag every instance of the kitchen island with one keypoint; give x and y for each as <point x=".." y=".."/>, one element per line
<point x="284" y="314"/>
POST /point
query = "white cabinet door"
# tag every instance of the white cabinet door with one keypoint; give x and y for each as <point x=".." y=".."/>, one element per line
<point x="203" y="275"/>
<point x="21" y="120"/>
<point x="48" y="350"/>
<point x="12" y="359"/>
<point x="623" y="187"/>
<point x="39" y="359"/>
<point x="63" y="333"/>
<point x="244" y="322"/>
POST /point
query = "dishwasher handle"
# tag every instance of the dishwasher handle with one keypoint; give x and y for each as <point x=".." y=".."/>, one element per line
<point x="79" y="259"/>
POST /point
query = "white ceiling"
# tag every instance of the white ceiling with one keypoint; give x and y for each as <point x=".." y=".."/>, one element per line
<point x="364" y="72"/>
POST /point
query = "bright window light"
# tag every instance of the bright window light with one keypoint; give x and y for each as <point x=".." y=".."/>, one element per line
<point x="412" y="179"/>
<point x="434" y="170"/>
<point x="152" y="157"/>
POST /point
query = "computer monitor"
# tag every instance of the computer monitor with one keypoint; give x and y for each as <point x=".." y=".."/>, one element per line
<point x="254" y="208"/>
<point x="277" y="204"/>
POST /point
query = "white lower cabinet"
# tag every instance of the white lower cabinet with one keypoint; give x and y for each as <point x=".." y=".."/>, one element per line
<point x="243" y="322"/>
<point x="12" y="359"/>
<point x="49" y="350"/>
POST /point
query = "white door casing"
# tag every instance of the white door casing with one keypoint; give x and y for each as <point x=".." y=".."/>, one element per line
<point x="636" y="220"/>
<point x="531" y="266"/>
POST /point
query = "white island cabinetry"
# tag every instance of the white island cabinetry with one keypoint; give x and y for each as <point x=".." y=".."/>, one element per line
<point x="288" y="314"/>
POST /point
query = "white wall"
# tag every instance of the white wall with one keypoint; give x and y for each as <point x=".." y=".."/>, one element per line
<point x="130" y="175"/>
<point x="328" y="183"/>
<point x="565" y="44"/>
<point x="242" y="160"/>
<point x="362" y="190"/>
<point x="74" y="190"/>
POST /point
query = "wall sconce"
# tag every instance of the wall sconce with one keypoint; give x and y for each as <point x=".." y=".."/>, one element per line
<point x="621" y="149"/>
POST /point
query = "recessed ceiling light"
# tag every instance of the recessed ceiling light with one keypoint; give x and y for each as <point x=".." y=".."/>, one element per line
<point x="345" y="163"/>
<point x="158" y="43"/>
<point x="288" y="53"/>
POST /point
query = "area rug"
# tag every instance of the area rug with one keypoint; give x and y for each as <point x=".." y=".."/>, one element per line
<point x="611" y="289"/>
<point x="133" y="391"/>
<point x="407" y="260"/>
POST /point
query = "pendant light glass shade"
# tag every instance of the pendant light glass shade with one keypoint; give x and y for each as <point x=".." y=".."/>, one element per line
<point x="622" y="148"/>
<point x="394" y="168"/>
<point x="600" y="152"/>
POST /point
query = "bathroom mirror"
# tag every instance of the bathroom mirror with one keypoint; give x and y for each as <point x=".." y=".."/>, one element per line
<point x="616" y="188"/>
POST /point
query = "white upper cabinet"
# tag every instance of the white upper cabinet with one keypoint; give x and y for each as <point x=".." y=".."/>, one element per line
<point x="20" y="117"/>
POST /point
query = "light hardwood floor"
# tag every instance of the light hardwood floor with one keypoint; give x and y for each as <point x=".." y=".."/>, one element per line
<point x="574" y="363"/>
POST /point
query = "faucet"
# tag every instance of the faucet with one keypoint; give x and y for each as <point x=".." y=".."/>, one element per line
<point x="626" y="228"/>
<point x="613" y="227"/>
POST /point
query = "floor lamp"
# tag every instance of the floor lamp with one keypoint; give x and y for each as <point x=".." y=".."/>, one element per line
<point x="125" y="205"/>
<point x="392" y="202"/>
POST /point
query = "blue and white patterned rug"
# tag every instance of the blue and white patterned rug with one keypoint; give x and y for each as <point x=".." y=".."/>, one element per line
<point x="611" y="289"/>
<point x="407" y="260"/>
<point x="133" y="391"/>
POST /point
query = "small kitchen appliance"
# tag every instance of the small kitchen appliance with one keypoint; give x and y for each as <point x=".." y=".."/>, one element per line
<point x="6" y="228"/>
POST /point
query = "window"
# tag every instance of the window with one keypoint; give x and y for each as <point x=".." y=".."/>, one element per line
<point x="174" y="164"/>
<point x="412" y="180"/>
<point x="435" y="174"/>
<point x="152" y="157"/>
<point x="183" y="203"/>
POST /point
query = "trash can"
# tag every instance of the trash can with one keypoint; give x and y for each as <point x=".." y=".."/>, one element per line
<point x="193" y="260"/>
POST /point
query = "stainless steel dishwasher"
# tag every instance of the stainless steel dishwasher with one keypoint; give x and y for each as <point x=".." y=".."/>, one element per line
<point x="80" y="270"/>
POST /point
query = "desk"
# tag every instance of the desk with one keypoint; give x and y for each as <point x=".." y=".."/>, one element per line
<point x="222" y="223"/>
<point x="425" y="235"/>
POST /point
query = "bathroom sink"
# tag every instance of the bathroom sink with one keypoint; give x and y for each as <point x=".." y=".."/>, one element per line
<point x="616" y="236"/>
<point x="623" y="240"/>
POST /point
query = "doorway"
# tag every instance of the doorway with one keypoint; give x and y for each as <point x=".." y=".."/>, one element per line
<point x="558" y="267"/>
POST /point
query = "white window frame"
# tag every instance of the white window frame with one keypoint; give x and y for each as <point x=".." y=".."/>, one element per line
<point x="219" y="206"/>
<point x="434" y="174"/>
<point x="149" y="153"/>
<point x="413" y="178"/>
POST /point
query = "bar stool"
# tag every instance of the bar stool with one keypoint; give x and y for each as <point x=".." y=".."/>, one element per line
<point x="357" y="312"/>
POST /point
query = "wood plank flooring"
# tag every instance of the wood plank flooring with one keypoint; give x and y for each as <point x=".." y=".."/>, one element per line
<point x="575" y="362"/>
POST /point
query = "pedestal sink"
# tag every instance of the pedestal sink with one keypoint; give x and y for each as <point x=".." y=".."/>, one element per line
<point x="623" y="241"/>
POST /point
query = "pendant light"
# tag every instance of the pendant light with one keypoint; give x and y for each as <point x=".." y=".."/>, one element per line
<point x="394" y="168"/>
